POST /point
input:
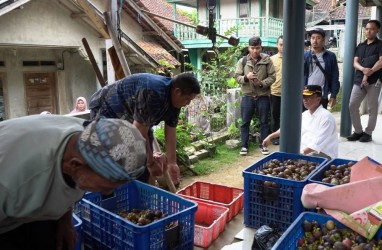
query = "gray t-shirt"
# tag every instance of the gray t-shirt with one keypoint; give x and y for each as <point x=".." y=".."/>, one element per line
<point x="316" y="77"/>
<point x="31" y="183"/>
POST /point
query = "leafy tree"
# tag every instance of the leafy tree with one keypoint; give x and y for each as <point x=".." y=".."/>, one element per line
<point x="218" y="71"/>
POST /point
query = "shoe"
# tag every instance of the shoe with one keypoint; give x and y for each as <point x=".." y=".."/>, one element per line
<point x="264" y="150"/>
<point x="365" y="137"/>
<point x="243" y="151"/>
<point x="355" y="136"/>
<point x="276" y="141"/>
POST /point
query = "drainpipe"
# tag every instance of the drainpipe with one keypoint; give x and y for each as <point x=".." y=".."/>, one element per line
<point x="351" y="22"/>
<point x="292" y="72"/>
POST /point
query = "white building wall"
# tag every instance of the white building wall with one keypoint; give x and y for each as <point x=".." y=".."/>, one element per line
<point x="228" y="9"/>
<point x="255" y="8"/>
<point x="42" y="30"/>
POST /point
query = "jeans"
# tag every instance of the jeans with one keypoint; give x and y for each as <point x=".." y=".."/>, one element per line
<point x="275" y="112"/>
<point x="249" y="105"/>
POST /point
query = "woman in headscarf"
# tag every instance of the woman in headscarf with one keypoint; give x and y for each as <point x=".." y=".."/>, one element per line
<point x="80" y="105"/>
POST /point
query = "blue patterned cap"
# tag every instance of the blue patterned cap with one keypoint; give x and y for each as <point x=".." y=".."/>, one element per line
<point x="114" y="148"/>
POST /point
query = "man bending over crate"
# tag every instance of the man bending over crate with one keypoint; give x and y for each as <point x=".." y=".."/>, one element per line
<point x="47" y="163"/>
<point x="318" y="130"/>
<point x="145" y="100"/>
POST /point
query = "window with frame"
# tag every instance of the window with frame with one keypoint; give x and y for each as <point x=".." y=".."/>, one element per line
<point x="243" y="8"/>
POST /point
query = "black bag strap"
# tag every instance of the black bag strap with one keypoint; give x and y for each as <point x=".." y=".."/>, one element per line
<point x="244" y="61"/>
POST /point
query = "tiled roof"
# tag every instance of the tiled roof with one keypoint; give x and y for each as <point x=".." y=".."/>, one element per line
<point x="340" y="12"/>
<point x="158" y="52"/>
<point x="161" y="7"/>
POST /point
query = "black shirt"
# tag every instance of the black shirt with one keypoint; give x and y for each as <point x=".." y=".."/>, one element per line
<point x="368" y="55"/>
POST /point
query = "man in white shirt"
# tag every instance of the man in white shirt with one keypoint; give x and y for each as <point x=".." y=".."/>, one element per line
<point x="318" y="129"/>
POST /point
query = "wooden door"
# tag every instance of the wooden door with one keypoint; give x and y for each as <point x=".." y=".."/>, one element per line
<point x="40" y="91"/>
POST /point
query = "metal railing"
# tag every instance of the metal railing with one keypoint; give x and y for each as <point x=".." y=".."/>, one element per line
<point x="273" y="27"/>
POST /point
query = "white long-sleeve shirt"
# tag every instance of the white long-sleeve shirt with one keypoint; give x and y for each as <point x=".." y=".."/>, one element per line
<point x="319" y="132"/>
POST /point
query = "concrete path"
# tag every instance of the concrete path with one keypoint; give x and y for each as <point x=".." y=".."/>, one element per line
<point x="357" y="150"/>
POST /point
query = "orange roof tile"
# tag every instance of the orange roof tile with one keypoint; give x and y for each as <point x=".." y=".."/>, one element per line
<point x="158" y="52"/>
<point x="161" y="7"/>
<point x="340" y="11"/>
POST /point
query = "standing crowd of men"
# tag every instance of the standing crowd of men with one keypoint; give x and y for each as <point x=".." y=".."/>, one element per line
<point x="260" y="77"/>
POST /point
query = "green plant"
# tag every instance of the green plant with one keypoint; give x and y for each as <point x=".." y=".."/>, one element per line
<point x="233" y="131"/>
<point x="164" y="68"/>
<point x="216" y="72"/>
<point x="183" y="139"/>
<point x="232" y="83"/>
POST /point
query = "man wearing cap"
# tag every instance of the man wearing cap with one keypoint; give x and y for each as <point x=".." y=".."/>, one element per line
<point x="48" y="162"/>
<point x="321" y="68"/>
<point x="367" y="82"/>
<point x="145" y="100"/>
<point x="318" y="128"/>
<point x="255" y="73"/>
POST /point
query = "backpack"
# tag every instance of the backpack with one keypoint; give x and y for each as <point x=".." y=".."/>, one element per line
<point x="244" y="61"/>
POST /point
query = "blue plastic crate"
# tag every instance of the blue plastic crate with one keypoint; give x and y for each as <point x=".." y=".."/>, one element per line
<point x="318" y="175"/>
<point x="103" y="228"/>
<point x="289" y="239"/>
<point x="285" y="203"/>
<point x="77" y="223"/>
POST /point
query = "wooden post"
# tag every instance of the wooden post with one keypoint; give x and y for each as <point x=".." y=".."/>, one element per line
<point x="117" y="46"/>
<point x="93" y="62"/>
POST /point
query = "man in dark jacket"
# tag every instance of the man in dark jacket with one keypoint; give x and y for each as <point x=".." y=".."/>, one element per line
<point x="321" y="68"/>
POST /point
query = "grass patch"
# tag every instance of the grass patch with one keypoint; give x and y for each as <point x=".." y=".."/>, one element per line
<point x="223" y="157"/>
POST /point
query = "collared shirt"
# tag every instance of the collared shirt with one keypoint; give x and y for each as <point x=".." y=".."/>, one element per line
<point x="145" y="98"/>
<point x="277" y="63"/>
<point x="319" y="132"/>
<point x="363" y="51"/>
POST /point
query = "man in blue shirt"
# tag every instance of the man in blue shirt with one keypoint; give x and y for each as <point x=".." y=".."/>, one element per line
<point x="321" y="68"/>
<point x="145" y="100"/>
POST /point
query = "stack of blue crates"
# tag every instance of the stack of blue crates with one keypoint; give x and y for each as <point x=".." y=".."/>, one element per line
<point x="286" y="206"/>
